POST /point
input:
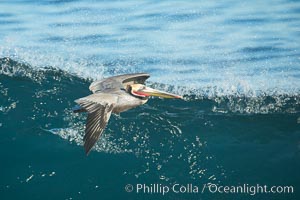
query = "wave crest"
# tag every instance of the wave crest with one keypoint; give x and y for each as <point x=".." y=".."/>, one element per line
<point x="209" y="99"/>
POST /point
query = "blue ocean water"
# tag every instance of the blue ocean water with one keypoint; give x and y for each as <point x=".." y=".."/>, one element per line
<point x="236" y="63"/>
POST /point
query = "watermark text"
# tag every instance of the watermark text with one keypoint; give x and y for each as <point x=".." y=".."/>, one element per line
<point x="246" y="189"/>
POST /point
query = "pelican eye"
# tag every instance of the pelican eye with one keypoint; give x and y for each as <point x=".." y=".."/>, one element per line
<point x="128" y="88"/>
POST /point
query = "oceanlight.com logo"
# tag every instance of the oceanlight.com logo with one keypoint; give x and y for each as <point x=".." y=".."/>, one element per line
<point x="208" y="188"/>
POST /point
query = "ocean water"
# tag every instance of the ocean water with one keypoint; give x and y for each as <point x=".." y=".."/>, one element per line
<point x="236" y="63"/>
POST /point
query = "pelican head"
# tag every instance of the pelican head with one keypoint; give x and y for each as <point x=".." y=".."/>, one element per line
<point x="140" y="90"/>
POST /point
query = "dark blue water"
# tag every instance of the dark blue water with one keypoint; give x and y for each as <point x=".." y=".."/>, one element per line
<point x="237" y="64"/>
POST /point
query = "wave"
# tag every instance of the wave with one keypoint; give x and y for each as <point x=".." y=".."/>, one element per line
<point x="210" y="99"/>
<point x="44" y="97"/>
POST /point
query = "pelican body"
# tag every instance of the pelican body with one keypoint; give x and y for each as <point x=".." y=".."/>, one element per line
<point x="113" y="95"/>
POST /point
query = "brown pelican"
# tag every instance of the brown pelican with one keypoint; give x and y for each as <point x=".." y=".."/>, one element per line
<point x="113" y="95"/>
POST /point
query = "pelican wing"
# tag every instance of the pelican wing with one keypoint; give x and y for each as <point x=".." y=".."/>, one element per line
<point x="99" y="108"/>
<point x="118" y="82"/>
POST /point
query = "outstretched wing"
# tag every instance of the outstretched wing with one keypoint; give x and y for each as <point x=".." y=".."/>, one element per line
<point x="99" y="108"/>
<point x="118" y="82"/>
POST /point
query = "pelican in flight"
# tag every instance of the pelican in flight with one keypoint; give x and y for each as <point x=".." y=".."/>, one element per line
<point x="113" y="95"/>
